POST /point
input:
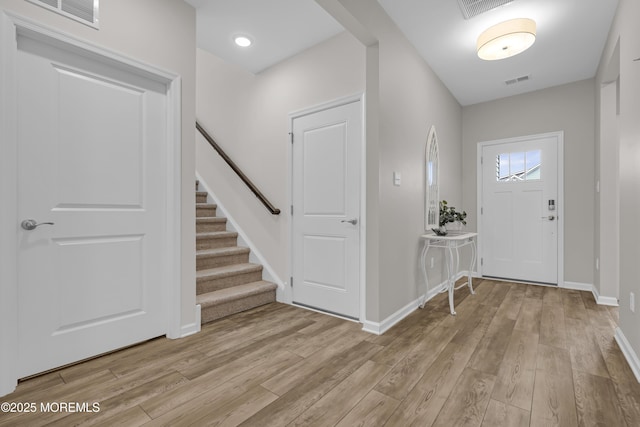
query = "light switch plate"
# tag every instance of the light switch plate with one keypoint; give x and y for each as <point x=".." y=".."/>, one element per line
<point x="397" y="179"/>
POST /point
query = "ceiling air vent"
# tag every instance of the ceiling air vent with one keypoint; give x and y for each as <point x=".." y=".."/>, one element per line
<point x="471" y="8"/>
<point x="85" y="11"/>
<point x="517" y="80"/>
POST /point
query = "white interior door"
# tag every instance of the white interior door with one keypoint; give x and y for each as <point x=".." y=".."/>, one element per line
<point x="520" y="209"/>
<point x="326" y="209"/>
<point x="90" y="161"/>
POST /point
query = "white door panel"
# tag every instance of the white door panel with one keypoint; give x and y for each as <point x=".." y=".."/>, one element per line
<point x="90" y="161"/>
<point x="326" y="194"/>
<point x="519" y="230"/>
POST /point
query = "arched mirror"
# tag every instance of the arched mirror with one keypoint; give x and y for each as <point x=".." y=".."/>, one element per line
<point x="432" y="206"/>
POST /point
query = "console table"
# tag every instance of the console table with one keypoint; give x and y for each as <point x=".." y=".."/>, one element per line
<point x="451" y="243"/>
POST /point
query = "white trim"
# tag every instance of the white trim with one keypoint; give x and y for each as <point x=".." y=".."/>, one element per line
<point x="588" y="287"/>
<point x="174" y="211"/>
<point x="255" y="256"/>
<point x="360" y="97"/>
<point x="628" y="352"/>
<point x="559" y="135"/>
<point x="602" y="300"/>
<point x="10" y="26"/>
<point x="577" y="286"/>
<point x="8" y="213"/>
<point x="192" y="328"/>
<point x="610" y="301"/>
<point x="363" y="213"/>
<point x="380" y="328"/>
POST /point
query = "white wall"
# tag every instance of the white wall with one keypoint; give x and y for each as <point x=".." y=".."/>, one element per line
<point x="569" y="108"/>
<point x="625" y="29"/>
<point x="412" y="99"/>
<point x="607" y="196"/>
<point x="248" y="115"/>
<point x="405" y="98"/>
<point x="160" y="33"/>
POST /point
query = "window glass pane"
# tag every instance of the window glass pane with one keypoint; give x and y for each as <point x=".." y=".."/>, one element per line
<point x="518" y="166"/>
<point x="533" y="165"/>
<point x="502" y="167"/>
<point x="517" y="169"/>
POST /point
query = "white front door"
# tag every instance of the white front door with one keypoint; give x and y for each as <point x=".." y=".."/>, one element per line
<point x="326" y="209"/>
<point x="520" y="209"/>
<point x="90" y="162"/>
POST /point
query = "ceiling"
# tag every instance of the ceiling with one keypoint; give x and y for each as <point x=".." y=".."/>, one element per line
<point x="570" y="39"/>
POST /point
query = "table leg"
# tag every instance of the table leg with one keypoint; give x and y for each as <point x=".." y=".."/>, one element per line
<point x="423" y="264"/>
<point x="451" y="280"/>
<point x="472" y="266"/>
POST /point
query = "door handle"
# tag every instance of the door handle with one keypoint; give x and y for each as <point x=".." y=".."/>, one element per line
<point x="32" y="224"/>
<point x="353" y="221"/>
<point x="550" y="217"/>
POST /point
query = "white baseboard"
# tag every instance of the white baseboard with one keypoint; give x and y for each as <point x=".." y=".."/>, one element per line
<point x="386" y="324"/>
<point x="380" y="328"/>
<point x="588" y="287"/>
<point x="602" y="300"/>
<point x="629" y="353"/>
<point x="192" y="328"/>
<point x="613" y="302"/>
<point x="255" y="256"/>
<point x="577" y="286"/>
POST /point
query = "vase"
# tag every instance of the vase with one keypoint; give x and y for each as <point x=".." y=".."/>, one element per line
<point x="440" y="231"/>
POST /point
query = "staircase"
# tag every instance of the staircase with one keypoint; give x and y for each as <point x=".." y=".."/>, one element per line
<point x="226" y="283"/>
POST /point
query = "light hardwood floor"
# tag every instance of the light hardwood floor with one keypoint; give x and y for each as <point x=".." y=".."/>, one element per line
<point x="515" y="355"/>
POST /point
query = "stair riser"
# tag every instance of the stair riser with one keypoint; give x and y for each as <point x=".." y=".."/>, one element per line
<point x="201" y="198"/>
<point x="203" y="263"/>
<point x="203" y="286"/>
<point x="215" y="312"/>
<point x="205" y="212"/>
<point x="207" y="227"/>
<point x="224" y="242"/>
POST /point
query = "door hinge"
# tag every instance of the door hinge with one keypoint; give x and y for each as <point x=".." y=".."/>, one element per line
<point x="291" y="281"/>
<point x="292" y="210"/>
<point x="481" y="211"/>
<point x="291" y="134"/>
<point x="481" y="261"/>
<point x="481" y="160"/>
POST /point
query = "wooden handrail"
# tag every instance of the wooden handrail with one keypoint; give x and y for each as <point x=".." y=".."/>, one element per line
<point x="236" y="169"/>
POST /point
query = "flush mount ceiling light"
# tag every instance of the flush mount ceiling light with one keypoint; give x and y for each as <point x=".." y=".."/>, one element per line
<point x="242" y="41"/>
<point x="506" y="39"/>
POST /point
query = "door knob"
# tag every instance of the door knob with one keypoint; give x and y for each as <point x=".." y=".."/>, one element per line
<point x="353" y="221"/>
<point x="31" y="224"/>
<point x="550" y="217"/>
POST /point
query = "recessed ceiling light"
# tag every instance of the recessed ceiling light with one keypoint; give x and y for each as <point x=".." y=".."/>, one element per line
<point x="242" y="41"/>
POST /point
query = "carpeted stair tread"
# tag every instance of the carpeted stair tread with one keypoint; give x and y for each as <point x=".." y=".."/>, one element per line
<point x="217" y="257"/>
<point x="236" y="292"/>
<point x="208" y="224"/>
<point x="210" y="219"/>
<point x="205" y="209"/>
<point x="226" y="271"/>
<point x="206" y="205"/>
<point x="232" y="250"/>
<point x="226" y="282"/>
<point x="216" y="234"/>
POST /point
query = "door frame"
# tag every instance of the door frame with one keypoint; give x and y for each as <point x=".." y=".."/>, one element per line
<point x="359" y="97"/>
<point x="11" y="25"/>
<point x="559" y="135"/>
